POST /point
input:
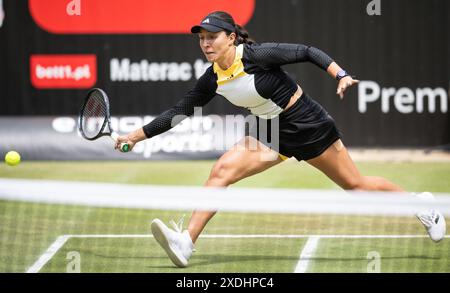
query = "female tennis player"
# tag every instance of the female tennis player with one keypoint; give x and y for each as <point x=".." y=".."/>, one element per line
<point x="249" y="75"/>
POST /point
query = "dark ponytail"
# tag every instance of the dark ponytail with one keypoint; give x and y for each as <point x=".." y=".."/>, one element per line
<point x="242" y="35"/>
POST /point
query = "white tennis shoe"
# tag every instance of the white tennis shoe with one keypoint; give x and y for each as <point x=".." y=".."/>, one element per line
<point x="432" y="219"/>
<point x="177" y="243"/>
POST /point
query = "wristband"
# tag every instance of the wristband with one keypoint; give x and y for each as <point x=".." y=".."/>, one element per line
<point x="341" y="74"/>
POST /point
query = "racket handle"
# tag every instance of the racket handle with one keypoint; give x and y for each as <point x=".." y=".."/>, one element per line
<point x="124" y="147"/>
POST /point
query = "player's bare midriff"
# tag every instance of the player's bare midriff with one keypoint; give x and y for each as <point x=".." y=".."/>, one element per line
<point x="294" y="98"/>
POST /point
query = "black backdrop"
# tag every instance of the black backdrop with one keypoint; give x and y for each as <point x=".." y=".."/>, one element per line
<point x="407" y="46"/>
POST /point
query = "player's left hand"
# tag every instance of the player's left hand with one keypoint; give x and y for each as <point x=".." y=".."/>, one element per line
<point x="344" y="83"/>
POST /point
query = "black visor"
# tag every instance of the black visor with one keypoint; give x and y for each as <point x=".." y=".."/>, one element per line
<point x="212" y="24"/>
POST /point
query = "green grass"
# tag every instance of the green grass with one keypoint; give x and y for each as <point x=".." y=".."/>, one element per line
<point x="396" y="255"/>
<point x="27" y="230"/>
<point x="143" y="255"/>
<point x="432" y="177"/>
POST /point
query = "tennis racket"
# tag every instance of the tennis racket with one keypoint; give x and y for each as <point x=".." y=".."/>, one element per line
<point x="95" y="119"/>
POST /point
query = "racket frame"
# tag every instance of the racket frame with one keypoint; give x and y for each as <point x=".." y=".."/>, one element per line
<point x="106" y="123"/>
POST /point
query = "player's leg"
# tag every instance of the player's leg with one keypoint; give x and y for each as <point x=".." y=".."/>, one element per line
<point x="337" y="164"/>
<point x="246" y="158"/>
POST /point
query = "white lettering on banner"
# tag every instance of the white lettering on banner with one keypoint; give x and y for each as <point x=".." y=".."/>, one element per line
<point x="194" y="134"/>
<point x="175" y="143"/>
<point x="200" y="67"/>
<point x="2" y="13"/>
<point x="63" y="72"/>
<point x="64" y="124"/>
<point x="125" y="70"/>
<point x="74" y="8"/>
<point x="404" y="100"/>
<point x="374" y="7"/>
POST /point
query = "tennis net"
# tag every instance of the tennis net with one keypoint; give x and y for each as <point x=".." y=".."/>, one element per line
<point x="62" y="226"/>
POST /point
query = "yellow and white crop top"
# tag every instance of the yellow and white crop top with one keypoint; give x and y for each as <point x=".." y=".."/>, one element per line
<point x="254" y="81"/>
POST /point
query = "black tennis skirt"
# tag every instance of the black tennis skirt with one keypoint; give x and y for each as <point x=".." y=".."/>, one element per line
<point x="303" y="131"/>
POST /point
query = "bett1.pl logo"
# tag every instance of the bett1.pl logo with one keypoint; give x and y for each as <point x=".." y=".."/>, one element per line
<point x="63" y="71"/>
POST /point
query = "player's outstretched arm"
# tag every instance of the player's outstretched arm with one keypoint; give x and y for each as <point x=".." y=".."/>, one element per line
<point x="278" y="54"/>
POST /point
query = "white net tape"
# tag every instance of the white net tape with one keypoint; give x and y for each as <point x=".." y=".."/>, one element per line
<point x="231" y="199"/>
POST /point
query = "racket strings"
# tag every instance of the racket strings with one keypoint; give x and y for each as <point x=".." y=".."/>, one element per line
<point x="94" y="115"/>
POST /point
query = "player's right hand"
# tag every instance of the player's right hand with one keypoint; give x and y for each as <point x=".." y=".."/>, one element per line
<point x="124" y="139"/>
<point x="131" y="139"/>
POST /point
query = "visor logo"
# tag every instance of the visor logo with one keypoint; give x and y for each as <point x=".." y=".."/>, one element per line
<point x="206" y="21"/>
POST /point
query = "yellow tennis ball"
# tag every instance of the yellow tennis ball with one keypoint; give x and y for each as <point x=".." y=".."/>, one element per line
<point x="12" y="158"/>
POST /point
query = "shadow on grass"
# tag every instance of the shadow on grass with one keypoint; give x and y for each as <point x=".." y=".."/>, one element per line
<point x="161" y="261"/>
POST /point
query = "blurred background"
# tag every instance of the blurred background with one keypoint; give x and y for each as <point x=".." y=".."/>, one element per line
<point x="143" y="55"/>
<point x="395" y="121"/>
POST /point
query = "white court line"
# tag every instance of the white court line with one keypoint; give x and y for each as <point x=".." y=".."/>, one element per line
<point x="61" y="240"/>
<point x="48" y="254"/>
<point x="307" y="252"/>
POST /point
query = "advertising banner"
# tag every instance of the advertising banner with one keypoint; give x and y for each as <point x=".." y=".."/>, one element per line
<point x="143" y="55"/>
